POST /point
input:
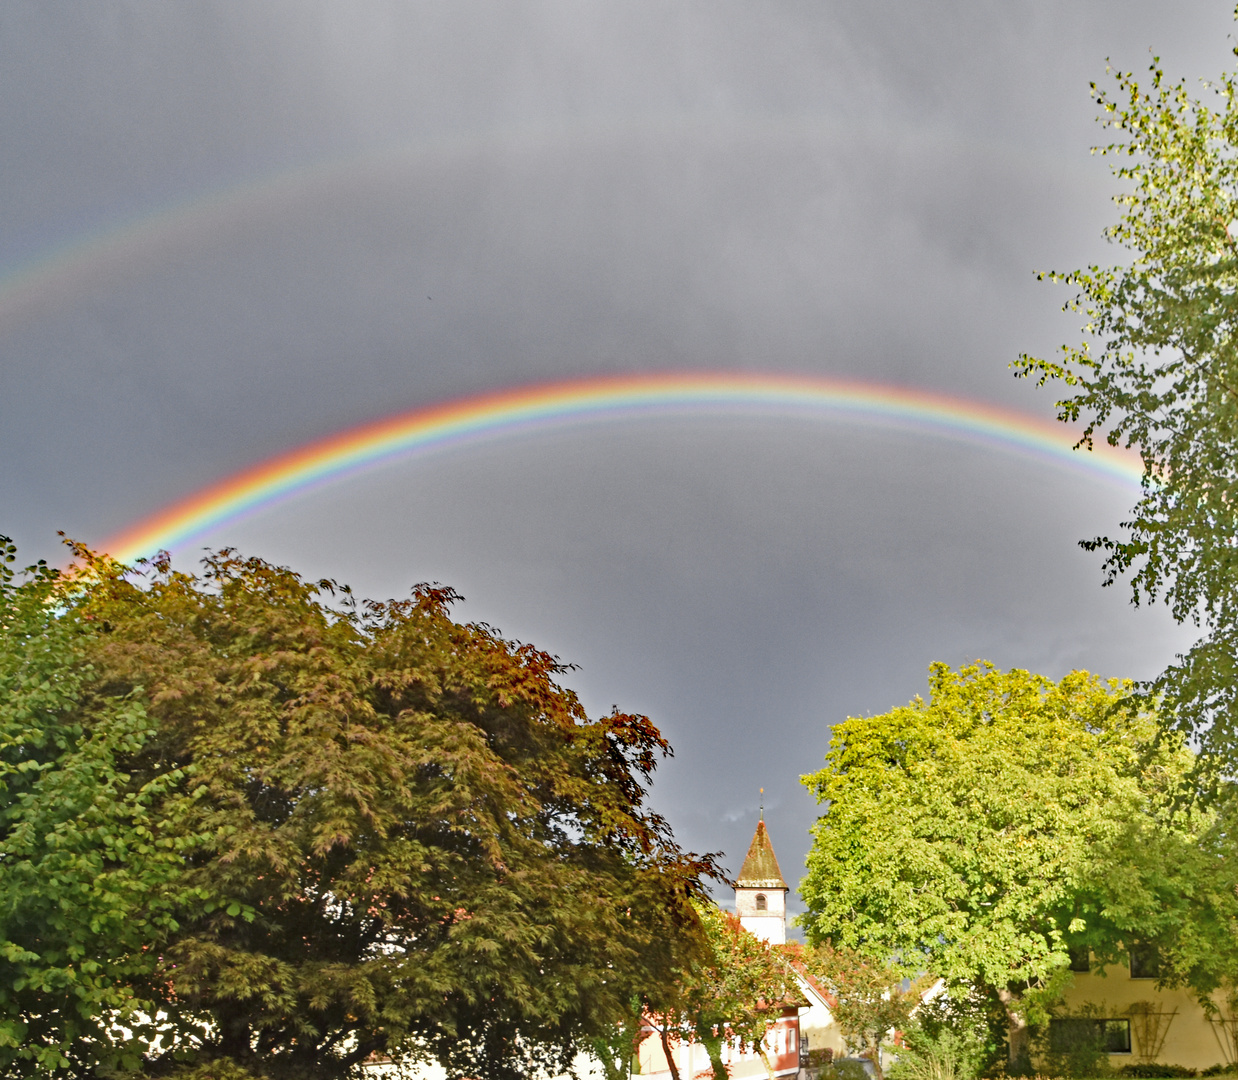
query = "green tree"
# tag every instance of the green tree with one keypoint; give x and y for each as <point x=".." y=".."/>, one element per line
<point x="87" y="865"/>
<point x="410" y="839"/>
<point x="870" y="1000"/>
<point x="1157" y="370"/>
<point x="984" y="833"/>
<point x="616" y="1049"/>
<point x="950" y="1037"/>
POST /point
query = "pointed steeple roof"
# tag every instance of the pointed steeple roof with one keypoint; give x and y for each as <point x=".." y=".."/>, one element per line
<point x="760" y="869"/>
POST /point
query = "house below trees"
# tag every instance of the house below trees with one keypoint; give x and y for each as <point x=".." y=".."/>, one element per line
<point x="1136" y="1022"/>
<point x="805" y="1024"/>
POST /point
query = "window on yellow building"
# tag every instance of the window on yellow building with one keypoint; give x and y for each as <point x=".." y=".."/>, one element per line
<point x="1085" y="1033"/>
<point x="1145" y="962"/>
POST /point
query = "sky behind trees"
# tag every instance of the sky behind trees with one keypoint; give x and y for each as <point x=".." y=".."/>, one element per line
<point x="225" y="231"/>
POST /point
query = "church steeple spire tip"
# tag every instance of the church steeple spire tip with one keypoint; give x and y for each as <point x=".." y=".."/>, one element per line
<point x="760" y="869"/>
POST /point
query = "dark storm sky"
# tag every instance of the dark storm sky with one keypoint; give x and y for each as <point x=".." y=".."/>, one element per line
<point x="221" y="226"/>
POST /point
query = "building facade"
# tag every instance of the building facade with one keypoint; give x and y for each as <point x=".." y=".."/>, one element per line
<point x="1137" y="1022"/>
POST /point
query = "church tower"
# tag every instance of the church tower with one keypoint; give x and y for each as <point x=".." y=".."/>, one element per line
<point x="760" y="892"/>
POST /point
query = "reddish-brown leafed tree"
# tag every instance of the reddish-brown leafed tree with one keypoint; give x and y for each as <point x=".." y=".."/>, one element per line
<point x="412" y="841"/>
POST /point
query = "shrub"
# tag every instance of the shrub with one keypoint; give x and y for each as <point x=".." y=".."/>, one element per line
<point x="1158" y="1072"/>
<point x="941" y="1055"/>
<point x="845" y="1069"/>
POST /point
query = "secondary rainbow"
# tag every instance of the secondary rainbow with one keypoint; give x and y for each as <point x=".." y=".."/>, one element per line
<point x="509" y="413"/>
<point x="155" y="234"/>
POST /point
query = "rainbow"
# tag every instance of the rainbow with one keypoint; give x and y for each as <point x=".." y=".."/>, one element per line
<point x="110" y="250"/>
<point x="508" y="413"/>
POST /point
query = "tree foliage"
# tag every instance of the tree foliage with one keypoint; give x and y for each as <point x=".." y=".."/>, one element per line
<point x="983" y="834"/>
<point x="401" y="836"/>
<point x="870" y="1001"/>
<point x="87" y="859"/>
<point x="952" y="1036"/>
<point x="1157" y="370"/>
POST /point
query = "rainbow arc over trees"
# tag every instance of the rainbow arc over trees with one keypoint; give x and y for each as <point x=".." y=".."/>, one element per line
<point x="509" y="413"/>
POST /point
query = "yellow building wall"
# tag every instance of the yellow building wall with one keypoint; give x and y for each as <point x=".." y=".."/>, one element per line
<point x="822" y="1031"/>
<point x="1190" y="1039"/>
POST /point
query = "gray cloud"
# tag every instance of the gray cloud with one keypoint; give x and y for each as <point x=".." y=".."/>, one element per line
<point x="414" y="202"/>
